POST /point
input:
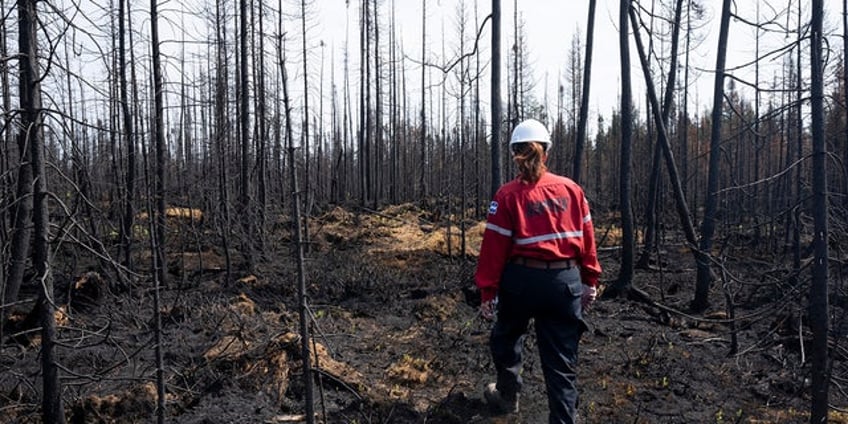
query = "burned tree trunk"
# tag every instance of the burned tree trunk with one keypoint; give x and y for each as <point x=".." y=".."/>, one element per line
<point x="663" y="145"/>
<point x="129" y="190"/>
<point x="298" y="240"/>
<point x="496" y="96"/>
<point x="705" y="276"/>
<point x="159" y="233"/>
<point x="584" y="101"/>
<point x="625" y="276"/>
<point x="32" y="137"/>
<point x="819" y="322"/>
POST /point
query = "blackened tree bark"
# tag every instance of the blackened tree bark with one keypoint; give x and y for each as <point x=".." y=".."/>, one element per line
<point x="262" y="133"/>
<point x="244" y="137"/>
<point x="368" y="129"/>
<point x="22" y="214"/>
<point x="845" y="99"/>
<point x="394" y="113"/>
<point x="32" y="136"/>
<point x="422" y="182"/>
<point x="819" y="321"/>
<point x="305" y="143"/>
<point x="22" y="231"/>
<point x="683" y="133"/>
<point x="378" y="112"/>
<point x="662" y="144"/>
<point x="496" y="96"/>
<point x="705" y="276"/>
<point x="296" y="224"/>
<point x="363" y="105"/>
<point x="6" y="181"/>
<point x="305" y="132"/>
<point x="221" y="128"/>
<point x="798" y="122"/>
<point x="516" y="113"/>
<point x="129" y="190"/>
<point x="159" y="243"/>
<point x="584" y="101"/>
<point x="478" y="176"/>
<point x="625" y="275"/>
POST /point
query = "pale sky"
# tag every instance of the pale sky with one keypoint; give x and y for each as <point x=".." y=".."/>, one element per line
<point x="550" y="26"/>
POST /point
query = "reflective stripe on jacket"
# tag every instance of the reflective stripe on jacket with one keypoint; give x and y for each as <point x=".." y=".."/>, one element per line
<point x="548" y="220"/>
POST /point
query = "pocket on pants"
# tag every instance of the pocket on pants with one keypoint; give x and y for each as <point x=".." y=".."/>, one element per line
<point x="573" y="283"/>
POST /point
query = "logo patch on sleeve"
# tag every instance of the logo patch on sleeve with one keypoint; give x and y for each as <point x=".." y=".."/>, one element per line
<point x="493" y="208"/>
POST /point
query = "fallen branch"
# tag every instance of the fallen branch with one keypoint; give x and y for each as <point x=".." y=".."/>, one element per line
<point x="339" y="382"/>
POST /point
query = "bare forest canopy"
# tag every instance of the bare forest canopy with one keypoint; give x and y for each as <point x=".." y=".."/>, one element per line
<point x="166" y="162"/>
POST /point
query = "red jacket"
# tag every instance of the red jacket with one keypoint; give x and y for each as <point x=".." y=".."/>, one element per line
<point x="548" y="220"/>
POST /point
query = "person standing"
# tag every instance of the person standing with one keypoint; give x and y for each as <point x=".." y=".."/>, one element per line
<point x="537" y="261"/>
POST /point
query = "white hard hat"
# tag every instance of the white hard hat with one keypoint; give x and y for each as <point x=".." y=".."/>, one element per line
<point x="531" y="130"/>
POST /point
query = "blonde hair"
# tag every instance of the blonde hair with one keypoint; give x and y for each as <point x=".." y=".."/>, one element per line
<point x="530" y="158"/>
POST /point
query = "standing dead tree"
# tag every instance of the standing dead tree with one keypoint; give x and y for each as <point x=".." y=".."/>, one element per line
<point x="496" y="96"/>
<point x="32" y="138"/>
<point x="244" y="207"/>
<point x="625" y="275"/>
<point x="705" y="276"/>
<point x="819" y="321"/>
<point x="22" y="200"/>
<point x="661" y="123"/>
<point x="6" y="181"/>
<point x="158" y="236"/>
<point x="584" y="100"/>
<point x="298" y="240"/>
<point x="129" y="141"/>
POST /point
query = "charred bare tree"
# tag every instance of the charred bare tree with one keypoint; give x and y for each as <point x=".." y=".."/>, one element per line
<point x="364" y="171"/>
<point x="6" y="181"/>
<point x="21" y="230"/>
<point x="625" y="276"/>
<point x="378" y="113"/>
<point x="159" y="195"/>
<point x="478" y="184"/>
<point x="663" y="142"/>
<point x="422" y="182"/>
<point x="845" y="99"/>
<point x="261" y="134"/>
<point x="22" y="200"/>
<point x="129" y="141"/>
<point x="496" y="97"/>
<point x="684" y="125"/>
<point x="305" y="128"/>
<point x="32" y="138"/>
<point x="819" y="304"/>
<point x="244" y="137"/>
<point x="221" y="127"/>
<point x="321" y="173"/>
<point x="584" y="98"/>
<point x="705" y="275"/>
<point x="298" y="242"/>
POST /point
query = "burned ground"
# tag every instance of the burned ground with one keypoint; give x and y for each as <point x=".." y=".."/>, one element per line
<point x="396" y="341"/>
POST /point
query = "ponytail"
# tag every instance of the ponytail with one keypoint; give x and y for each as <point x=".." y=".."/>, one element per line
<point x="530" y="158"/>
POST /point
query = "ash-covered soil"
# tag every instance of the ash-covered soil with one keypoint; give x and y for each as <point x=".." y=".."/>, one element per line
<point x="396" y="338"/>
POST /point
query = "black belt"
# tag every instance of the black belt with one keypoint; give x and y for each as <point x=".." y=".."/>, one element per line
<point x="540" y="264"/>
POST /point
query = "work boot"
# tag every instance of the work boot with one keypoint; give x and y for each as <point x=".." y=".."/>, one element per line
<point x="499" y="403"/>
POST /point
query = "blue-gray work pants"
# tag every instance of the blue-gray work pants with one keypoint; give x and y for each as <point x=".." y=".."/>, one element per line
<point x="552" y="299"/>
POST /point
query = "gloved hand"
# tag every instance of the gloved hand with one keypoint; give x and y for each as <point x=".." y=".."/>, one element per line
<point x="590" y="293"/>
<point x="488" y="308"/>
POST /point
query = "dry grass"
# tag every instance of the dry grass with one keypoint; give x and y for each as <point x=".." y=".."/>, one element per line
<point x="175" y="212"/>
<point x="409" y="370"/>
<point x="395" y="231"/>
